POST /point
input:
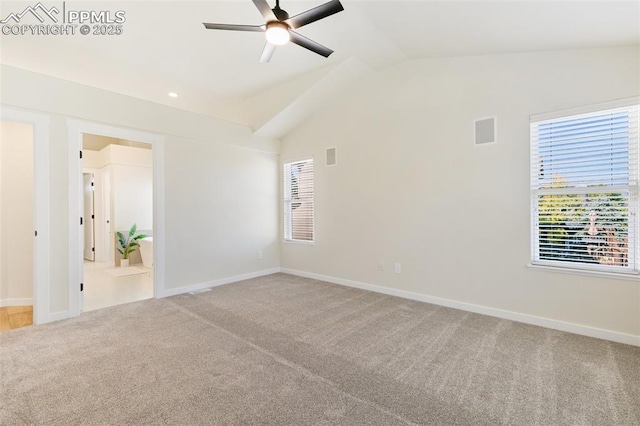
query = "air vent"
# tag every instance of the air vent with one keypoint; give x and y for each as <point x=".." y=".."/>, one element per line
<point x="485" y="131"/>
<point x="332" y="156"/>
<point x="204" y="290"/>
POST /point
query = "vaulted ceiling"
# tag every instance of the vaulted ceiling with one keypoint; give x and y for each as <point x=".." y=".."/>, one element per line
<point x="165" y="48"/>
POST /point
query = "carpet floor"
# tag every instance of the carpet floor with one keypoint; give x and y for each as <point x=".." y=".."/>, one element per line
<point x="286" y="350"/>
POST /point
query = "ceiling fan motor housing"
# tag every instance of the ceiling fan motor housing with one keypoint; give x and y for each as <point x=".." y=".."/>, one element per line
<point x="280" y="14"/>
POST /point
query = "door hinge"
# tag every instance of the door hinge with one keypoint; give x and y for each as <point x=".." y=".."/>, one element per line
<point x="93" y="217"/>
<point x="80" y="221"/>
<point x="81" y="286"/>
<point x="36" y="233"/>
<point x="81" y="155"/>
<point x="93" y="249"/>
<point x="91" y="183"/>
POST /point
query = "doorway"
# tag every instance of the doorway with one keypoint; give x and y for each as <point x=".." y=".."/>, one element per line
<point x="24" y="217"/>
<point x="16" y="224"/>
<point x="105" y="229"/>
<point x="117" y="221"/>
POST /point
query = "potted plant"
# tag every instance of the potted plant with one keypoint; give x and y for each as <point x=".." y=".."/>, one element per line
<point x="128" y="245"/>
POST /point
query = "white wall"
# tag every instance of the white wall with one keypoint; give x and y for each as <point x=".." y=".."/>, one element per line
<point x="131" y="187"/>
<point x="16" y="213"/>
<point x="222" y="202"/>
<point x="195" y="146"/>
<point x="411" y="187"/>
<point x="132" y="197"/>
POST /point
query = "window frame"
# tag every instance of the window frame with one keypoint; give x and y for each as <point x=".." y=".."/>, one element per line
<point x="632" y="188"/>
<point x="287" y="232"/>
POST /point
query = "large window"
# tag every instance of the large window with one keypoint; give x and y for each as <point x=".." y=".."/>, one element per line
<point x="298" y="200"/>
<point x="584" y="189"/>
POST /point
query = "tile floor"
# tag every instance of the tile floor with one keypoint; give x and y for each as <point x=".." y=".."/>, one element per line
<point x="102" y="289"/>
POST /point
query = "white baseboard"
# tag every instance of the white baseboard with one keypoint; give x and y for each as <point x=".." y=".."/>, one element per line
<point x="215" y="283"/>
<point x="25" y="301"/>
<point x="584" y="330"/>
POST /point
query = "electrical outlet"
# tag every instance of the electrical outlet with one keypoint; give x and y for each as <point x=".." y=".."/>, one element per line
<point x="260" y="255"/>
<point x="381" y="266"/>
<point x="397" y="268"/>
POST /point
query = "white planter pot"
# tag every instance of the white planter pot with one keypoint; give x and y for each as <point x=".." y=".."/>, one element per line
<point x="124" y="263"/>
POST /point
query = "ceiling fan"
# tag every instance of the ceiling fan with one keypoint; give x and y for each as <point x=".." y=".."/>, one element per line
<point x="279" y="26"/>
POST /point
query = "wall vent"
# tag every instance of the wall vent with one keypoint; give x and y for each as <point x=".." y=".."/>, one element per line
<point x="204" y="290"/>
<point x="332" y="156"/>
<point x="485" y="131"/>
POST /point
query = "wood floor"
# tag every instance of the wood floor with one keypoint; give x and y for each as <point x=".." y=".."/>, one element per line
<point x="15" y="317"/>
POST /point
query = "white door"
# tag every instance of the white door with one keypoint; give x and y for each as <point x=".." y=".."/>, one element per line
<point x="89" y="216"/>
<point x="109" y="251"/>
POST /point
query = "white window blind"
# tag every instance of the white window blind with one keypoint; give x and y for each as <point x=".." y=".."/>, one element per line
<point x="584" y="189"/>
<point x="298" y="200"/>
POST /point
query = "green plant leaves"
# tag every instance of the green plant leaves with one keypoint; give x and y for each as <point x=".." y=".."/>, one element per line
<point x="129" y="244"/>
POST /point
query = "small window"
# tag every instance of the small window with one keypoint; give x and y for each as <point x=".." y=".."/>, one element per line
<point x="298" y="201"/>
<point x="584" y="189"/>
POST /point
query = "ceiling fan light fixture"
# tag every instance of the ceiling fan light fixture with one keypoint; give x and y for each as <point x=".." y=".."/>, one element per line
<point x="279" y="28"/>
<point x="277" y="33"/>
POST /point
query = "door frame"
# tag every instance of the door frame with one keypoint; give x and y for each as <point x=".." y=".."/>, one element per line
<point x="75" y="130"/>
<point x="41" y="256"/>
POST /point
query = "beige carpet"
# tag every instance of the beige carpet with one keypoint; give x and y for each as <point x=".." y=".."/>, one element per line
<point x="287" y="350"/>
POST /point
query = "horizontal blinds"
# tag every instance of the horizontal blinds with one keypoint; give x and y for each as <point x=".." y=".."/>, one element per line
<point x="584" y="176"/>
<point x="298" y="198"/>
<point x="586" y="150"/>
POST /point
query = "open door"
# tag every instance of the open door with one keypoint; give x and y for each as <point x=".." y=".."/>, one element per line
<point x="89" y="217"/>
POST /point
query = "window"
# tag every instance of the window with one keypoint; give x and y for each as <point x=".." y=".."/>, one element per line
<point x="298" y="200"/>
<point x="584" y="190"/>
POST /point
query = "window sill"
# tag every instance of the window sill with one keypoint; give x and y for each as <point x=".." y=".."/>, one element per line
<point x="303" y="242"/>
<point x="572" y="271"/>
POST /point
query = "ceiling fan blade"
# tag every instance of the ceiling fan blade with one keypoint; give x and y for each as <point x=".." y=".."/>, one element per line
<point x="233" y="27"/>
<point x="309" y="44"/>
<point x="265" y="9"/>
<point x="315" y="14"/>
<point x="267" y="53"/>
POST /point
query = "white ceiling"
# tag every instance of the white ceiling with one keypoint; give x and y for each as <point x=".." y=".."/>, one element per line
<point x="98" y="142"/>
<point x="164" y="47"/>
